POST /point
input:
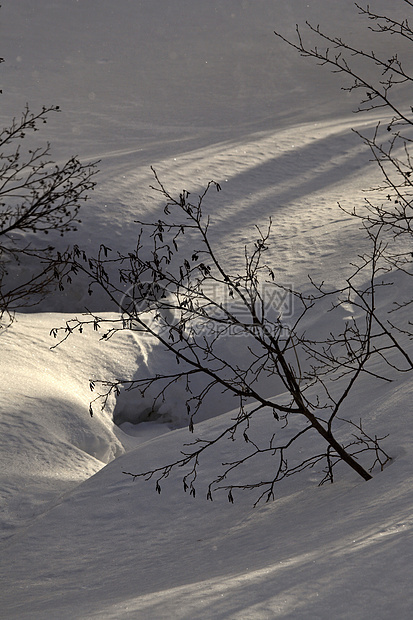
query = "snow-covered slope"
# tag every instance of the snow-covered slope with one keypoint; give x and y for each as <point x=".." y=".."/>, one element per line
<point x="199" y="90"/>
<point x="113" y="548"/>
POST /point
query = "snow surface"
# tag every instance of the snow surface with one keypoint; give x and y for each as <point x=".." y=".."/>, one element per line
<point x="199" y="90"/>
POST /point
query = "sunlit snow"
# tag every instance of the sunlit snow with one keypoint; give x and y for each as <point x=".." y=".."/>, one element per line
<point x="200" y="91"/>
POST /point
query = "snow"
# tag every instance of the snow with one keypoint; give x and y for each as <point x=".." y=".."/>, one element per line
<point x="199" y="91"/>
